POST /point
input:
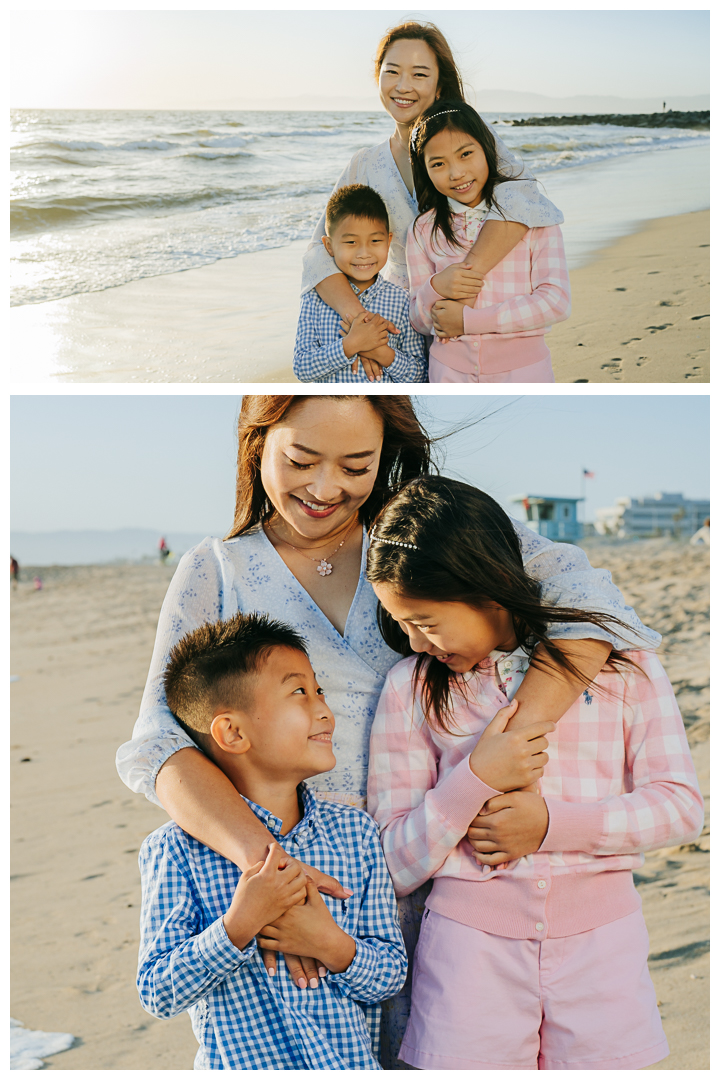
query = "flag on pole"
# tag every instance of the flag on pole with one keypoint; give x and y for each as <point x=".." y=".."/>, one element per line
<point x="590" y="475"/>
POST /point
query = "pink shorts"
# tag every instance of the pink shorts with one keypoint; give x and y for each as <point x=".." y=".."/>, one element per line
<point x="485" y="1002"/>
<point x="540" y="372"/>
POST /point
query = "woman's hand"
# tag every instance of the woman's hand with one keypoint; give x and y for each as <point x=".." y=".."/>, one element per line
<point x="507" y="760"/>
<point x="458" y="282"/>
<point x="310" y="927"/>
<point x="508" y="827"/>
<point x="305" y="970"/>
<point x="447" y="318"/>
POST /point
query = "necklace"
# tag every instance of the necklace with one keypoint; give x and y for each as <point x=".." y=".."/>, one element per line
<point x="323" y="567"/>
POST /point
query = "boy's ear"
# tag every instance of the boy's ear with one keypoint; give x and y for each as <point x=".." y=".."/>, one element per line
<point x="328" y="246"/>
<point x="390" y="236"/>
<point x="227" y="731"/>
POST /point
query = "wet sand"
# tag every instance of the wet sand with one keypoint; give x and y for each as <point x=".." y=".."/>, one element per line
<point x="81" y="649"/>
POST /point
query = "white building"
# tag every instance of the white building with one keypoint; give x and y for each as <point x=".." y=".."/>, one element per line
<point x="663" y="514"/>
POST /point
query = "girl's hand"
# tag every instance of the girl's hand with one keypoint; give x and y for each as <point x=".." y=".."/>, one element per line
<point x="374" y="362"/>
<point x="508" y="827"/>
<point x="264" y="892"/>
<point x="310" y="927"/>
<point x="507" y="760"/>
<point x="447" y="318"/>
<point x="458" y="282"/>
<point x="367" y="332"/>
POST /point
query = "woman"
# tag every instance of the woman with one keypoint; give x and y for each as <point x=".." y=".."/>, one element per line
<point x="414" y="66"/>
<point x="312" y="473"/>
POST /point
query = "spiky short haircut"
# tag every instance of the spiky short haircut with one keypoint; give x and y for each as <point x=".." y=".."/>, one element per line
<point x="208" y="667"/>
<point x="356" y="200"/>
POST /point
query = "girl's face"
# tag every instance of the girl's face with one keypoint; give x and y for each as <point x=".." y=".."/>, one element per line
<point x="457" y="166"/>
<point x="408" y="80"/>
<point x="320" y="462"/>
<point x="456" y="634"/>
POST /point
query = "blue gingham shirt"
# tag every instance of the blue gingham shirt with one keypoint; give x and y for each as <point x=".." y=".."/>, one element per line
<point x="242" y="1018"/>
<point x="319" y="354"/>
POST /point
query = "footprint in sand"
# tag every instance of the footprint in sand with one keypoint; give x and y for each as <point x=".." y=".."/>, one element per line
<point x="642" y="361"/>
<point x="630" y="341"/>
<point x="693" y="318"/>
<point x="614" y="367"/>
<point x="694" y="373"/>
<point x="654" y="329"/>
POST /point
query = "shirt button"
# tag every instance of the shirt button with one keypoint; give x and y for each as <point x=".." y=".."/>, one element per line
<point x="476" y="345"/>
<point x="539" y="926"/>
<point x="542" y="884"/>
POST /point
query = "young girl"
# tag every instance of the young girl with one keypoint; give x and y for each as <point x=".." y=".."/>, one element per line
<point x="500" y="335"/>
<point x="533" y="950"/>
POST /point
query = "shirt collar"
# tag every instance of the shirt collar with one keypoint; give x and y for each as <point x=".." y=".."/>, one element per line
<point x="470" y="213"/>
<point x="377" y="283"/>
<point x="273" y="824"/>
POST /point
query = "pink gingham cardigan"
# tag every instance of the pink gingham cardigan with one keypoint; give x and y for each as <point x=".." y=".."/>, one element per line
<point x="620" y="781"/>
<point x="522" y="297"/>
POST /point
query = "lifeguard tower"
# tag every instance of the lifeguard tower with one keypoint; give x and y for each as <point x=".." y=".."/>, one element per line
<point x="555" y="518"/>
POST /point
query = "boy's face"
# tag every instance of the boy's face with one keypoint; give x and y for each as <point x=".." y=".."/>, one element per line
<point x="286" y="720"/>
<point x="359" y="247"/>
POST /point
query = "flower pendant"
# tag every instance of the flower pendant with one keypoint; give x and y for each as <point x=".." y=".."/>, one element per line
<point x="324" y="568"/>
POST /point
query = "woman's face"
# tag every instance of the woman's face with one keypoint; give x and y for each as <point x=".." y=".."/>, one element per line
<point x="320" y="462"/>
<point x="457" y="166"/>
<point x="408" y="80"/>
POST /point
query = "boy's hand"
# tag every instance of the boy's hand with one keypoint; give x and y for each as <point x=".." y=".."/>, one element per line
<point x="374" y="361"/>
<point x="508" y="827"/>
<point x="309" y="928"/>
<point x="347" y="320"/>
<point x="458" y="282"/>
<point x="506" y="760"/>
<point x="447" y="318"/>
<point x="368" y="331"/>
<point x="264" y="893"/>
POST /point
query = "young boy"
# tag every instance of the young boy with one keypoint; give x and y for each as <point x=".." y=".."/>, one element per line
<point x="358" y="238"/>
<point x="245" y="691"/>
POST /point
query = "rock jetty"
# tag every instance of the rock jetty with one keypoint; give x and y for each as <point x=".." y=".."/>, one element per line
<point x="648" y="120"/>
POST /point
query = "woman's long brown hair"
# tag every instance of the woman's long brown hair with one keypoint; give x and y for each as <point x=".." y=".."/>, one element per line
<point x="406" y="451"/>
<point x="450" y="83"/>
<point x="466" y="551"/>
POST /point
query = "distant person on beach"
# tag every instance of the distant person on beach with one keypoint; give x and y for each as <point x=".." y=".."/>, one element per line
<point x="499" y="336"/>
<point x="313" y="472"/>
<point x="244" y="691"/>
<point x="358" y="239"/>
<point x="414" y="67"/>
<point x="533" y="952"/>
<point x="14" y="571"/>
<point x="702" y="536"/>
<point x="37" y="583"/>
<point x="163" y="549"/>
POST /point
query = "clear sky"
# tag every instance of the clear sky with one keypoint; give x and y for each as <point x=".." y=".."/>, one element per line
<point x="199" y="59"/>
<point x="167" y="462"/>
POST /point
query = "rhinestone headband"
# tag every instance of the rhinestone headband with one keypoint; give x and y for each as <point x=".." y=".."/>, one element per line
<point x="416" y="129"/>
<point x="395" y="543"/>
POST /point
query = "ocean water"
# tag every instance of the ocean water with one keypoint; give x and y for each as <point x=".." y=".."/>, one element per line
<point x="102" y="198"/>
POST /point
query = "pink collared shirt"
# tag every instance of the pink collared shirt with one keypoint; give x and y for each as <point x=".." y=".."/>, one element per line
<point x="523" y="296"/>
<point x="620" y="781"/>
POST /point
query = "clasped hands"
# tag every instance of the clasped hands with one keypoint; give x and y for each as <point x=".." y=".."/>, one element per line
<point x="459" y="286"/>
<point x="512" y="761"/>
<point x="277" y="901"/>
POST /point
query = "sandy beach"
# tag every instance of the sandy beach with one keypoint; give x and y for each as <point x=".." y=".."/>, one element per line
<point x="640" y="313"/>
<point x="641" y="308"/>
<point x="81" y="648"/>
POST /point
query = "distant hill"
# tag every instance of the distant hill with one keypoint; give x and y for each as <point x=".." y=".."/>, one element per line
<point x="69" y="548"/>
<point x="512" y="101"/>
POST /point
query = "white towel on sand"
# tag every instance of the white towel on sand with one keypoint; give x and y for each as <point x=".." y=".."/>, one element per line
<point x="28" y="1048"/>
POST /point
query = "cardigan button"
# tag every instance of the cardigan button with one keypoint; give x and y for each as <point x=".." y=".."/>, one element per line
<point x="539" y="926"/>
<point x="542" y="884"/>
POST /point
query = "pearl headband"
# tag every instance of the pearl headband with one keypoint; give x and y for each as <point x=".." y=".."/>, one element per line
<point x="416" y="129"/>
<point x="384" y="540"/>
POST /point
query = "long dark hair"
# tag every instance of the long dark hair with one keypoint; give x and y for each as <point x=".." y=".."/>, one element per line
<point x="449" y="115"/>
<point x="406" y="451"/>
<point x="449" y="79"/>
<point x="465" y="551"/>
